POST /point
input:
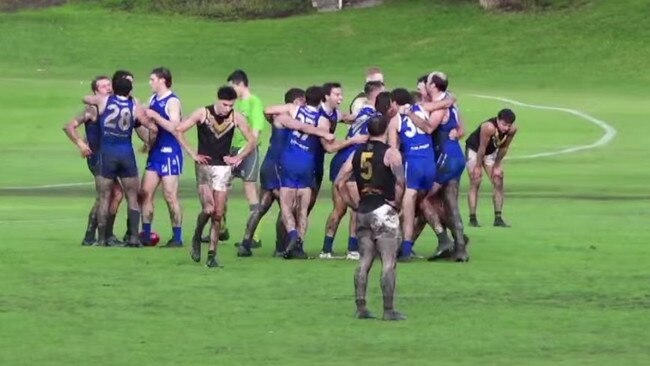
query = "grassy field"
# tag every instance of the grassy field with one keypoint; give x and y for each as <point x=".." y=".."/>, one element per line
<point x="567" y="285"/>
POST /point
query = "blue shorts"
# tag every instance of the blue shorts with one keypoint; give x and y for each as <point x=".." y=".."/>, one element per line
<point x="93" y="163"/>
<point x="450" y="168"/>
<point x="297" y="175"/>
<point x="420" y="173"/>
<point x="269" y="175"/>
<point x="165" y="164"/>
<point x="113" y="165"/>
<point x="337" y="162"/>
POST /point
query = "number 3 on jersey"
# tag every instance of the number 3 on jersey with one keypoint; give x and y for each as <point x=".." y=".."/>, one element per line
<point x="411" y="129"/>
<point x="366" y="165"/>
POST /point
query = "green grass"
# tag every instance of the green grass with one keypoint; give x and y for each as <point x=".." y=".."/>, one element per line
<point x="567" y="285"/>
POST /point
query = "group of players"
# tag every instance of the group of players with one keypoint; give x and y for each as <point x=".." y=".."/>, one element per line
<point x="398" y="168"/>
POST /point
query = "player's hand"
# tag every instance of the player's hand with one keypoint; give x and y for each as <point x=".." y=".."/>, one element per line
<point x="360" y="139"/>
<point x="404" y="109"/>
<point x="150" y="113"/>
<point x="476" y="172"/>
<point x="453" y="134"/>
<point x="201" y="159"/>
<point x="84" y="149"/>
<point x="329" y="137"/>
<point x="232" y="160"/>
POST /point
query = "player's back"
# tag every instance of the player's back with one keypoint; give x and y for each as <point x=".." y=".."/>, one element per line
<point x="116" y="124"/>
<point x="442" y="142"/>
<point x="276" y="143"/>
<point x="165" y="141"/>
<point x="414" y="143"/>
<point x="375" y="181"/>
<point x="93" y="132"/>
<point x="302" y="147"/>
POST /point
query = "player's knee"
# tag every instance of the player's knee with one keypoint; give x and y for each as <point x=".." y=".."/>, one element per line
<point x="170" y="196"/>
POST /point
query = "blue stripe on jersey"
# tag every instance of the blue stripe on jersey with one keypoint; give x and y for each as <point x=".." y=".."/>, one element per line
<point x="413" y="141"/>
<point x="165" y="141"/>
<point x="360" y="124"/>
<point x="116" y="123"/>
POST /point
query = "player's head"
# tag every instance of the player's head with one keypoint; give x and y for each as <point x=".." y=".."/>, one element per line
<point x="505" y="118"/>
<point x="101" y="85"/>
<point x="333" y="94"/>
<point x="422" y="85"/>
<point x="295" y="96"/>
<point x="123" y="74"/>
<point x="437" y="83"/>
<point x="372" y="89"/>
<point x="400" y="97"/>
<point x="238" y="80"/>
<point x="374" y="74"/>
<point x="314" y="96"/>
<point x="226" y="97"/>
<point x="122" y="87"/>
<point x="383" y="103"/>
<point x="160" y="79"/>
<point x="377" y="126"/>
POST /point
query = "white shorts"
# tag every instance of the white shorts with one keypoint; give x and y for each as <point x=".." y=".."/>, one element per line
<point x="216" y="176"/>
<point x="488" y="160"/>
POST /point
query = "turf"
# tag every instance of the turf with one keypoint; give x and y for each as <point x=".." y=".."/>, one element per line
<point x="567" y="285"/>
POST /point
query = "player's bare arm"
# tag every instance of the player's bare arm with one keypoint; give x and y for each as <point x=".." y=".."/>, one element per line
<point x="487" y="130"/>
<point x="336" y="145"/>
<point x="341" y="184"/>
<point x="503" y="149"/>
<point x="348" y="118"/>
<point x="70" y="130"/>
<point x="251" y="140"/>
<point x="98" y="100"/>
<point x="290" y="123"/>
<point x="174" y="112"/>
<point x="393" y="135"/>
<point x="393" y="159"/>
<point x="446" y="103"/>
<point x="196" y="117"/>
<point x="275" y="110"/>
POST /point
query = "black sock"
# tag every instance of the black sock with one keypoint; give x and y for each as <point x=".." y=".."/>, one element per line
<point x="212" y="253"/>
<point x="128" y="228"/>
<point x="497" y="214"/>
<point x="110" y="223"/>
<point x="472" y="217"/>
<point x="92" y="226"/>
<point x="133" y="221"/>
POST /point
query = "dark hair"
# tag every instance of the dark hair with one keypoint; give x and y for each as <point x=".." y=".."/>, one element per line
<point x="417" y="97"/>
<point x="401" y="96"/>
<point x="314" y="95"/>
<point x="292" y="94"/>
<point x="122" y="87"/>
<point x="238" y="77"/>
<point x="327" y="87"/>
<point x="507" y="116"/>
<point x="423" y="79"/>
<point x="382" y="103"/>
<point x="372" y="86"/>
<point x="93" y="84"/>
<point x="119" y="74"/>
<point x="377" y="125"/>
<point x="440" y="83"/>
<point x="226" y="93"/>
<point x="163" y="73"/>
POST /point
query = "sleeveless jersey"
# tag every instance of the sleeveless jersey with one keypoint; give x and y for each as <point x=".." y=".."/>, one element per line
<point x="166" y="142"/>
<point x="359" y="127"/>
<point x="302" y="146"/>
<point x="92" y="130"/>
<point x="116" y="125"/>
<point x="474" y="139"/>
<point x="215" y="135"/>
<point x="276" y="144"/>
<point x="375" y="181"/>
<point x="415" y="143"/>
<point x="442" y="143"/>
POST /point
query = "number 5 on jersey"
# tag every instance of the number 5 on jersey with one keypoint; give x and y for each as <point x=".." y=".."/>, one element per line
<point x="366" y="165"/>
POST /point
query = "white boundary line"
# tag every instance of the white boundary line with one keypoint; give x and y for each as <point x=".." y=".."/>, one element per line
<point x="610" y="132"/>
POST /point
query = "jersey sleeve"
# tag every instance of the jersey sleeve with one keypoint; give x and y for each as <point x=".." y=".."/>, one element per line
<point x="256" y="116"/>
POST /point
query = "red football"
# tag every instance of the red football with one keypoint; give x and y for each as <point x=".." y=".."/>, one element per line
<point x="154" y="239"/>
